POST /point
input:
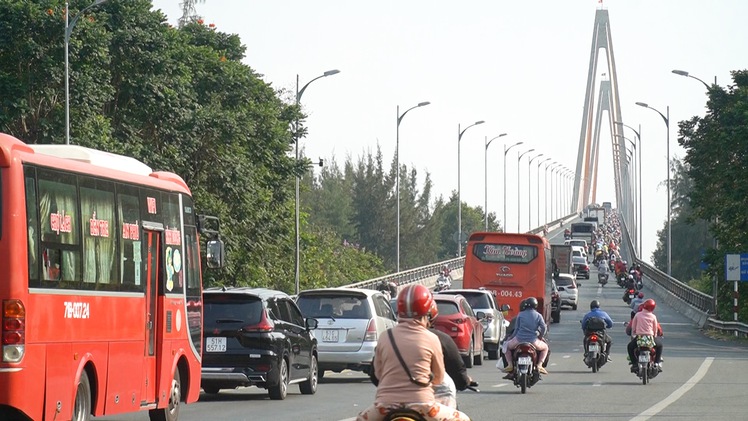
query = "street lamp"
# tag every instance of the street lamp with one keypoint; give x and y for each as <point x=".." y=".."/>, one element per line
<point x="459" y="197"/>
<point x="557" y="170"/>
<point x="505" y="152"/>
<point x="639" y="170"/>
<point x="636" y="186"/>
<point x="537" y="175"/>
<point x="529" y="191"/>
<point x="552" y="165"/>
<point x="299" y="93"/>
<point x="397" y="183"/>
<point x="669" y="231"/>
<point x="485" y="172"/>
<point x="519" y="158"/>
<point x="685" y="73"/>
<point x="68" y="30"/>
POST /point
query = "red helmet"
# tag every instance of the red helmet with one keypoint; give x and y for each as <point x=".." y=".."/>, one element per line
<point x="414" y="301"/>
<point x="641" y="295"/>
<point x="649" y="305"/>
<point x="433" y="311"/>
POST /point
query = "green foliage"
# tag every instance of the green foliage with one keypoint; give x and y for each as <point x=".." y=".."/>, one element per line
<point x="716" y="162"/>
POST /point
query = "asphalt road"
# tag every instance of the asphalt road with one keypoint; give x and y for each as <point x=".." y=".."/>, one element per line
<point x="703" y="378"/>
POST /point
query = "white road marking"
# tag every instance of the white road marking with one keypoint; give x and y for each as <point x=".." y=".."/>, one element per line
<point x="566" y="356"/>
<point x="500" y="385"/>
<point x="658" y="407"/>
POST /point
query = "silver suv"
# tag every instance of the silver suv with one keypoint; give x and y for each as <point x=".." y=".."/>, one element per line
<point x="494" y="328"/>
<point x="350" y="323"/>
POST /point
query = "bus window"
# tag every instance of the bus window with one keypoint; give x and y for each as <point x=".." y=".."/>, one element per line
<point x="32" y="227"/>
<point x="97" y="209"/>
<point x="130" y="239"/>
<point x="58" y="209"/>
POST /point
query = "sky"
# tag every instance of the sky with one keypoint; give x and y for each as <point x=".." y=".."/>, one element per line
<point x="519" y="65"/>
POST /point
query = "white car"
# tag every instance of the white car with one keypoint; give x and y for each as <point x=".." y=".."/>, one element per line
<point x="567" y="290"/>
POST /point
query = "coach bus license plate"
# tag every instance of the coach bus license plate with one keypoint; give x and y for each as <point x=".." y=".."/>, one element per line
<point x="593" y="348"/>
<point x="644" y="358"/>
<point x="329" y="335"/>
<point x="213" y="344"/>
<point x="523" y="360"/>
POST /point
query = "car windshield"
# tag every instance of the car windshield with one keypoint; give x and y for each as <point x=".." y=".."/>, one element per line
<point x="338" y="306"/>
<point x="447" y="308"/>
<point x="564" y="281"/>
<point x="232" y="308"/>
<point x="579" y="260"/>
<point x="476" y="299"/>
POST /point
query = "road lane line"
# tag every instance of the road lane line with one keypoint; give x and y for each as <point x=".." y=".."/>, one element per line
<point x="500" y="385"/>
<point x="658" y="407"/>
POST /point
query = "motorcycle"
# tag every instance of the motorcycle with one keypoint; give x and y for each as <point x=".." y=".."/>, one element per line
<point x="594" y="357"/>
<point x="525" y="373"/>
<point x="647" y="368"/>
<point x="443" y="283"/>
<point x="629" y="295"/>
<point x="405" y="414"/>
<point x="602" y="278"/>
<point x="621" y="280"/>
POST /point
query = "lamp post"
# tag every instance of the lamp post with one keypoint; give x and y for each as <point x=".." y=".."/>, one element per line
<point x="69" y="25"/>
<point x="529" y="190"/>
<point x="545" y="181"/>
<point x="506" y="150"/>
<point x="485" y="176"/>
<point x="557" y="170"/>
<point x="667" y="127"/>
<point x="636" y="187"/>
<point x="299" y="93"/>
<point x="639" y="176"/>
<point x="397" y="182"/>
<point x="685" y="73"/>
<point x="537" y="176"/>
<point x="519" y="158"/>
<point x="459" y="197"/>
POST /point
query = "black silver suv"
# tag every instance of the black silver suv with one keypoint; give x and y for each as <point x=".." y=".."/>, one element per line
<point x="257" y="336"/>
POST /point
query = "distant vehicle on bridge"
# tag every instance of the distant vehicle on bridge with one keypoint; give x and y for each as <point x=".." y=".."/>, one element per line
<point x="515" y="266"/>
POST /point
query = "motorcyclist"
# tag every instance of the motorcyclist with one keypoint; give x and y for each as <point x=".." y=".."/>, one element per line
<point x="589" y="324"/>
<point x="602" y="271"/>
<point x="636" y="302"/>
<point x="530" y="327"/>
<point x="455" y="378"/>
<point x="408" y="383"/>
<point x="628" y="285"/>
<point x="645" y="324"/>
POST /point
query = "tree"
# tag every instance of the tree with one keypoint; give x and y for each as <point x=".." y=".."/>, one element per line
<point x="717" y="158"/>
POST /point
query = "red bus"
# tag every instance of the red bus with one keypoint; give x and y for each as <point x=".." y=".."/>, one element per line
<point x="514" y="266"/>
<point x="100" y="285"/>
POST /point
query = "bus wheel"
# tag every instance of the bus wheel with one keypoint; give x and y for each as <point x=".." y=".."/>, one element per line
<point x="82" y="407"/>
<point x="171" y="412"/>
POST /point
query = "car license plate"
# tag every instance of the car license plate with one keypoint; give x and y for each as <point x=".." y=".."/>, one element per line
<point x="329" y="335"/>
<point x="644" y="358"/>
<point x="213" y="344"/>
<point x="631" y="296"/>
<point x="593" y="348"/>
<point x="524" y="360"/>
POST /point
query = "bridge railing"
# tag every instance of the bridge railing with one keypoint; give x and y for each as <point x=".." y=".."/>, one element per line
<point x="427" y="274"/>
<point x="701" y="302"/>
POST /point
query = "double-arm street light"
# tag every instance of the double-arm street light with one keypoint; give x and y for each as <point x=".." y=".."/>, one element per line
<point x="538" y="178"/>
<point x="69" y="25"/>
<point x="485" y="172"/>
<point x="506" y="150"/>
<point x="459" y="197"/>
<point x="639" y="171"/>
<point x="529" y="190"/>
<point x="519" y="158"/>
<point x="299" y="93"/>
<point x="667" y="127"/>
<point x="397" y="183"/>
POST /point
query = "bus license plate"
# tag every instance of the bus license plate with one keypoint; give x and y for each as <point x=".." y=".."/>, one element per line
<point x="329" y="335"/>
<point x="213" y="344"/>
<point x="523" y="360"/>
<point x="644" y="358"/>
<point x="593" y="348"/>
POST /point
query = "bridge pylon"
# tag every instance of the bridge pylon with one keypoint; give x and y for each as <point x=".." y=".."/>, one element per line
<point x="585" y="182"/>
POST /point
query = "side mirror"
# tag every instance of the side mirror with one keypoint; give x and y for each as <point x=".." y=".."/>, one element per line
<point x="480" y="315"/>
<point x="311" y="323"/>
<point x="215" y="254"/>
